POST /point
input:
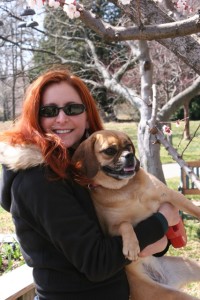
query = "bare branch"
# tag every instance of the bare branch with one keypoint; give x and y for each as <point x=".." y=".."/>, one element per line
<point x="154" y="105"/>
<point x="190" y="140"/>
<point x="174" y="103"/>
<point x="148" y="32"/>
<point x="156" y="25"/>
<point x="128" y="64"/>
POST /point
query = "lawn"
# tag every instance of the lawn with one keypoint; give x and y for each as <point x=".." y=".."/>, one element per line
<point x="191" y="153"/>
<point x="191" y="224"/>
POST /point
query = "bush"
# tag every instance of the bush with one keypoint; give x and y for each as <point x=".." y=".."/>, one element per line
<point x="194" y="110"/>
<point x="10" y="256"/>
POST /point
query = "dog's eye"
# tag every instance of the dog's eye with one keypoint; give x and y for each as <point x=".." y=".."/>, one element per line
<point x="110" y="151"/>
<point x="129" y="147"/>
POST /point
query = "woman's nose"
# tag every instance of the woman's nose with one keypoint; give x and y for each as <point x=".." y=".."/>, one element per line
<point x="61" y="117"/>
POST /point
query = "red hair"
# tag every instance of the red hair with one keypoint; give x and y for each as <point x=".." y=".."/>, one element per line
<point x="27" y="129"/>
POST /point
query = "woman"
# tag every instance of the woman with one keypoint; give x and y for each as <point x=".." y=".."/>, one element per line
<point x="55" y="222"/>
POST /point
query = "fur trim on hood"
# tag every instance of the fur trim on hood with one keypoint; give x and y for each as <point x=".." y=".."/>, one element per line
<point x="20" y="157"/>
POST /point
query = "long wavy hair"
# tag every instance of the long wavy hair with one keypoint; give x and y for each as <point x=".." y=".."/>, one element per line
<point x="27" y="129"/>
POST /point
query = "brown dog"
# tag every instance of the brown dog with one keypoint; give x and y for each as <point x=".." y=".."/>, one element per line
<point x="123" y="195"/>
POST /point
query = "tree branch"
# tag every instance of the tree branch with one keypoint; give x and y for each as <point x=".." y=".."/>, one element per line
<point x="148" y="32"/>
<point x="174" y="103"/>
<point x="111" y="83"/>
<point x="164" y="29"/>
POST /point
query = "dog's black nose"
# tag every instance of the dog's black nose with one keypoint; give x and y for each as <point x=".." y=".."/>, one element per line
<point x="129" y="158"/>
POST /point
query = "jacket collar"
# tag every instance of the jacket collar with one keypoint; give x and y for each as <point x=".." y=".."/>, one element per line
<point x="20" y="157"/>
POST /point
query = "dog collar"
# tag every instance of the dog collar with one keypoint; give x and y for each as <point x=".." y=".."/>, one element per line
<point x="92" y="186"/>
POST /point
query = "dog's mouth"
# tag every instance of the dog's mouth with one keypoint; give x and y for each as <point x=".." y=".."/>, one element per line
<point x="124" y="172"/>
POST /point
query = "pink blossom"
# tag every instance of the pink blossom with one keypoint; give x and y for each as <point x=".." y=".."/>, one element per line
<point x="125" y="2"/>
<point x="69" y="2"/>
<point x="31" y="3"/>
<point x="167" y="130"/>
<point x="71" y="11"/>
<point x="53" y="3"/>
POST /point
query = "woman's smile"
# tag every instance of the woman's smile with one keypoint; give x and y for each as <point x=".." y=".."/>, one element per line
<point x="62" y="131"/>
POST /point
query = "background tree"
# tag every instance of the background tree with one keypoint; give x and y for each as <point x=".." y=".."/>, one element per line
<point x="14" y="61"/>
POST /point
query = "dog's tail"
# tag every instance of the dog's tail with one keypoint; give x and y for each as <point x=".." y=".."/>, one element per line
<point x="153" y="277"/>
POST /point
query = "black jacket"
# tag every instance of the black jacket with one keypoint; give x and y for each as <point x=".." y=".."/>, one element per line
<point x="60" y="236"/>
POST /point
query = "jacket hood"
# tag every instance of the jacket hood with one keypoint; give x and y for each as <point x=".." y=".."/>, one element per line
<point x="20" y="157"/>
<point x="13" y="159"/>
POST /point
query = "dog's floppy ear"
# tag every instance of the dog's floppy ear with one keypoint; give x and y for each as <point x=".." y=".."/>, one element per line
<point x="137" y="165"/>
<point x="84" y="158"/>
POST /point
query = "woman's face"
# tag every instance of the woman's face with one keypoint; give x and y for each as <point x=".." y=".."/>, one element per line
<point x="70" y="129"/>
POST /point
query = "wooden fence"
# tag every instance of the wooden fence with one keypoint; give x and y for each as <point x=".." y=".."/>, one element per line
<point x="17" y="284"/>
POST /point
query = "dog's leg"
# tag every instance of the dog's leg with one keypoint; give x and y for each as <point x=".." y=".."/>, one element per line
<point x="131" y="247"/>
<point x="141" y="289"/>
<point x="179" y="270"/>
<point x="152" y="277"/>
<point x="169" y="270"/>
<point x="180" y="201"/>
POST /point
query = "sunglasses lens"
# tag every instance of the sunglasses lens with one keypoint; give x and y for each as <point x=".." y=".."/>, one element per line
<point x="74" y="109"/>
<point x="49" y="111"/>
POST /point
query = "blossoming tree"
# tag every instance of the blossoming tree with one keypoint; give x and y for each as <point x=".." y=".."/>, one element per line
<point x="171" y="27"/>
<point x="173" y="24"/>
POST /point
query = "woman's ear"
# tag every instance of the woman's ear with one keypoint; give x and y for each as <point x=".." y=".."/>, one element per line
<point x="84" y="158"/>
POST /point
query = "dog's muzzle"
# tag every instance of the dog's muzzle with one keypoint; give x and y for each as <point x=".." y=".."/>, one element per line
<point x="124" y="167"/>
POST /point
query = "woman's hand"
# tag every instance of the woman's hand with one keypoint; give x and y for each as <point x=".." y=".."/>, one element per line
<point x="171" y="213"/>
<point x="156" y="247"/>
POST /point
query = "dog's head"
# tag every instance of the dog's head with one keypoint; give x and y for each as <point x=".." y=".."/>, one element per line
<point x="106" y="155"/>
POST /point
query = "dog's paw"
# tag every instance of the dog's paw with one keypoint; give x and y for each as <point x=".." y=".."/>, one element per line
<point x="131" y="247"/>
<point x="131" y="250"/>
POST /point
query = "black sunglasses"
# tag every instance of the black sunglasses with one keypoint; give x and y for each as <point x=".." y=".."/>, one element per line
<point x="72" y="109"/>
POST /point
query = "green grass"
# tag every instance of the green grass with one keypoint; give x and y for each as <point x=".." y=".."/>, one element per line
<point x="191" y="153"/>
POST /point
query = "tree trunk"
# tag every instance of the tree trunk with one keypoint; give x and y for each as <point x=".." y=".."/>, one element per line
<point x="187" y="122"/>
<point x="149" y="150"/>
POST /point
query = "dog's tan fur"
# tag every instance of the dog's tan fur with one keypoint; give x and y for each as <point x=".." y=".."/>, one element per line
<point x="125" y="201"/>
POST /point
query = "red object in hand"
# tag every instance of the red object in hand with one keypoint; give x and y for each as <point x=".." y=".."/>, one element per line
<point x="177" y="235"/>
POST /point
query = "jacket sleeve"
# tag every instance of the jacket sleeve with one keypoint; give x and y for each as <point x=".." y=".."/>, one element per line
<point x="151" y="230"/>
